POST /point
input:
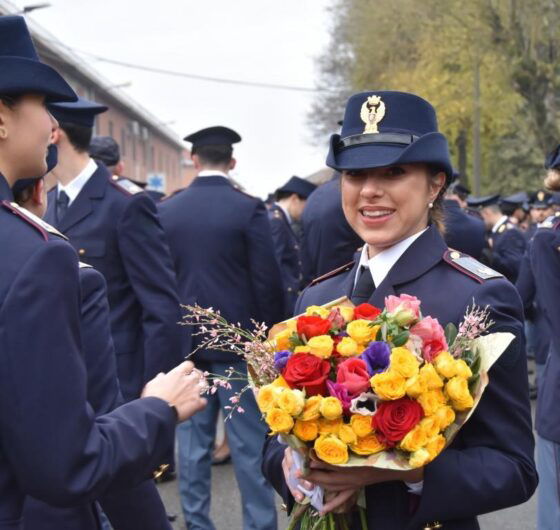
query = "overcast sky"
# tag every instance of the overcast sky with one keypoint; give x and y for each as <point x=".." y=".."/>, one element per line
<point x="272" y="41"/>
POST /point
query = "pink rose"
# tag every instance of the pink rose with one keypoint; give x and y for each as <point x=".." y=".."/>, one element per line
<point x="353" y="375"/>
<point x="405" y="309"/>
<point x="432" y="335"/>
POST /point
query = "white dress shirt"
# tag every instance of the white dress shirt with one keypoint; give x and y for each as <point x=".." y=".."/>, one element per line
<point x="73" y="188"/>
<point x="379" y="266"/>
<point x="212" y="173"/>
<point x="288" y="216"/>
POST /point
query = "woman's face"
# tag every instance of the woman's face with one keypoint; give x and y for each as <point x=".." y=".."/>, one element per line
<point x="25" y="133"/>
<point x="386" y="205"/>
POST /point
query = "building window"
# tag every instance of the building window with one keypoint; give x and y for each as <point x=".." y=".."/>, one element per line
<point x="111" y="130"/>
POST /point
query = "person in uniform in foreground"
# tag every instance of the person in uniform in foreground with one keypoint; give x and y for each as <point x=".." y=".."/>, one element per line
<point x="395" y="166"/>
<point x="52" y="446"/>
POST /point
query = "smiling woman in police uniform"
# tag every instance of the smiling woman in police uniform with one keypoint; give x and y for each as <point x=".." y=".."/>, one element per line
<point x="394" y="171"/>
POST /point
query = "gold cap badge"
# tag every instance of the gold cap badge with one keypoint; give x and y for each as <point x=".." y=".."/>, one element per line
<point x="373" y="111"/>
<point x="540" y="196"/>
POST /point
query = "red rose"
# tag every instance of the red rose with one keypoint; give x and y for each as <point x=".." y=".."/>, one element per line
<point x="304" y="370"/>
<point x="353" y="375"/>
<point x="313" y="326"/>
<point x="366" y="312"/>
<point x="393" y="420"/>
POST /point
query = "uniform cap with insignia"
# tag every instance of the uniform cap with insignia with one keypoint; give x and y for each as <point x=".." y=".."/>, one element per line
<point x="105" y="149"/>
<point x="386" y="128"/>
<point x="81" y="112"/>
<point x="540" y="199"/>
<point x="217" y="135"/>
<point x="22" y="71"/>
<point x="482" y="202"/>
<point x="302" y="187"/>
<point x="52" y="160"/>
<point x="460" y="190"/>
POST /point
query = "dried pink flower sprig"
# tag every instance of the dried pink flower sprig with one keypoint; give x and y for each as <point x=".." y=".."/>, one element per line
<point x="475" y="324"/>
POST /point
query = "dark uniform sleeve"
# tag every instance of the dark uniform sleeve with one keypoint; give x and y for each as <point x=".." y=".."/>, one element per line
<point x="48" y="433"/>
<point x="490" y="465"/>
<point x="508" y="253"/>
<point x="525" y="284"/>
<point x="148" y="263"/>
<point x="265" y="271"/>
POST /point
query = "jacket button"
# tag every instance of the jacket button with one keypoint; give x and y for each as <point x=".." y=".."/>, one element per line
<point x="82" y="251"/>
<point x="433" y="526"/>
<point x="160" y="471"/>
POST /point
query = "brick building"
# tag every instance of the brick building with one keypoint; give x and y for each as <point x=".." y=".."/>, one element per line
<point x="151" y="151"/>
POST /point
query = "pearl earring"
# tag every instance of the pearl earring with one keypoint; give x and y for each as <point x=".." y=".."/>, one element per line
<point x="430" y="205"/>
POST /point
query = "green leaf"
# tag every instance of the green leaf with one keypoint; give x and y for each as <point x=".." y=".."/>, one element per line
<point x="379" y="335"/>
<point x="473" y="381"/>
<point x="475" y="366"/>
<point x="450" y="333"/>
<point x="401" y="339"/>
<point x="296" y="341"/>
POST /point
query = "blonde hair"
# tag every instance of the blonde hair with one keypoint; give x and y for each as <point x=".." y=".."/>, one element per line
<point x="552" y="179"/>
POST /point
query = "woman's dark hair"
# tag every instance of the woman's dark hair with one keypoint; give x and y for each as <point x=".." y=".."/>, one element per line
<point x="10" y="100"/>
<point x="214" y="154"/>
<point x="436" y="215"/>
<point x="78" y="135"/>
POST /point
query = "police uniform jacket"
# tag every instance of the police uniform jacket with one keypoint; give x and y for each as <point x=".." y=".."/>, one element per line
<point x="489" y="465"/>
<point x="463" y="232"/>
<point x="51" y="445"/>
<point x="328" y="240"/>
<point x="287" y="247"/>
<point x="118" y="232"/>
<point x="508" y="246"/>
<point x="223" y="253"/>
<point x="545" y="260"/>
<point x="136" y="508"/>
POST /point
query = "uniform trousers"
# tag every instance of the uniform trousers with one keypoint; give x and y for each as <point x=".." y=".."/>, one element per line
<point x="548" y="467"/>
<point x="246" y="434"/>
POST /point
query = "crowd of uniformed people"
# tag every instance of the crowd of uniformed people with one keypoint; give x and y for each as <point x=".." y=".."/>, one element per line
<point x="93" y="377"/>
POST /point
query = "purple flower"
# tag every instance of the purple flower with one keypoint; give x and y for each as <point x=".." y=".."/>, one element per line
<point x="280" y="360"/>
<point x="376" y="357"/>
<point x="341" y="393"/>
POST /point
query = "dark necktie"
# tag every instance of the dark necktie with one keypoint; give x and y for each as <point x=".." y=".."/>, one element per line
<point x="364" y="287"/>
<point x="61" y="205"/>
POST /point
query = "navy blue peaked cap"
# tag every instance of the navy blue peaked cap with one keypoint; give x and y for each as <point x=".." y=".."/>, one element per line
<point x="52" y="160"/>
<point x="481" y="202"/>
<point x="81" y="112"/>
<point x="553" y="159"/>
<point x="218" y="135"/>
<point x="540" y="199"/>
<point x="384" y="128"/>
<point x="105" y="149"/>
<point x="22" y="71"/>
<point x="302" y="187"/>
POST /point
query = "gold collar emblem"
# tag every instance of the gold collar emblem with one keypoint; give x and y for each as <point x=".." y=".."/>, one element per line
<point x="373" y="111"/>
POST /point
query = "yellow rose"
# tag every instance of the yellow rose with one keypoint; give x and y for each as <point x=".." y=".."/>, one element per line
<point x="321" y="346"/>
<point x="403" y="362"/>
<point x="415" y="386"/>
<point x="430" y="426"/>
<point x="329" y="426"/>
<point x="347" y="434"/>
<point x="458" y="391"/>
<point x="292" y="325"/>
<point x="291" y="401"/>
<point x="316" y="310"/>
<point x="360" y="331"/>
<point x="431" y="401"/>
<point x="445" y="416"/>
<point x="280" y="382"/>
<point x="331" y="408"/>
<point x="279" y="421"/>
<point x="414" y="440"/>
<point x="368" y="445"/>
<point x="282" y="339"/>
<point x="301" y="349"/>
<point x="267" y="396"/>
<point x="430" y="377"/>
<point x="419" y="458"/>
<point x="463" y="369"/>
<point x="389" y="385"/>
<point x="346" y="312"/>
<point x="435" y="446"/>
<point x="331" y="450"/>
<point x="445" y="365"/>
<point x="361" y="425"/>
<point x="347" y="347"/>
<point x="306" y="431"/>
<point x="311" y="409"/>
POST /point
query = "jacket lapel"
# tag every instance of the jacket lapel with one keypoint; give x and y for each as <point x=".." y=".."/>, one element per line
<point x="425" y="253"/>
<point x="82" y="206"/>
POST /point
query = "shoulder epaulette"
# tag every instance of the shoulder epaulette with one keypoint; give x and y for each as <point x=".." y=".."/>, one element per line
<point x="125" y="185"/>
<point x="470" y="266"/>
<point x="553" y="221"/>
<point x="85" y="265"/>
<point x="33" y="220"/>
<point x="333" y="273"/>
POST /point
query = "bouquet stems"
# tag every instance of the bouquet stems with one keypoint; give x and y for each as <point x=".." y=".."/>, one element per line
<point x="309" y="519"/>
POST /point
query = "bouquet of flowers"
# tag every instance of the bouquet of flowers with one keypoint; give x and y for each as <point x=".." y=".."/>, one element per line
<point x="361" y="386"/>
